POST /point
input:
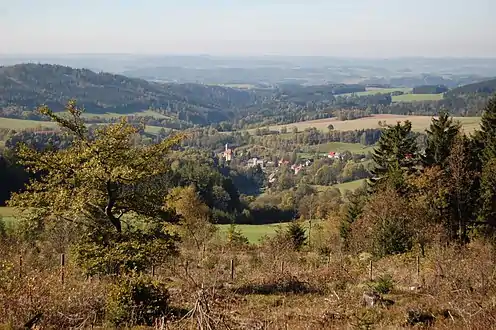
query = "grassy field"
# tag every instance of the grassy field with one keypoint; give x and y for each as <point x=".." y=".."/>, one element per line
<point x="417" y="97"/>
<point x="254" y="232"/>
<point x="351" y="186"/>
<point x="419" y="123"/>
<point x="374" y="91"/>
<point x="7" y="215"/>
<point x="407" y="97"/>
<point x="25" y="124"/>
<point x="355" y="148"/>
<point x="149" y="113"/>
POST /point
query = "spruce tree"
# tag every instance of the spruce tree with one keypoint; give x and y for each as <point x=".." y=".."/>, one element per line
<point x="395" y="155"/>
<point x="486" y="140"/>
<point x="487" y="134"/>
<point x="440" y="139"/>
<point x="354" y="209"/>
<point x="296" y="234"/>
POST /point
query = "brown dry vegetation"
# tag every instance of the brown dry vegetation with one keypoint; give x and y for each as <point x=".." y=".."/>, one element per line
<point x="419" y="123"/>
<point x="273" y="288"/>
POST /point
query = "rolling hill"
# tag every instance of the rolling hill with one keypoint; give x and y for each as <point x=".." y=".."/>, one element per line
<point x="23" y="87"/>
<point x="483" y="87"/>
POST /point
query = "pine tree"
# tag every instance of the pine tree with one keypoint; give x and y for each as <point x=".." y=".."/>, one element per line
<point x="440" y="139"/>
<point x="486" y="141"/>
<point x="487" y="134"/>
<point x="395" y="155"/>
<point x="354" y="210"/>
<point x="296" y="234"/>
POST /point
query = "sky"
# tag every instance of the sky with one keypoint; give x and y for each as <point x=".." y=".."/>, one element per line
<point x="355" y="28"/>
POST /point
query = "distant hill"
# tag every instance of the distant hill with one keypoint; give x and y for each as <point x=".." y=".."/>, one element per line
<point x="29" y="85"/>
<point x="483" y="87"/>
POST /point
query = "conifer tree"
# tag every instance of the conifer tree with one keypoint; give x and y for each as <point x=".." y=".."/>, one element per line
<point x="486" y="140"/>
<point x="395" y="155"/>
<point x="354" y="209"/>
<point x="440" y="139"/>
<point x="487" y="134"/>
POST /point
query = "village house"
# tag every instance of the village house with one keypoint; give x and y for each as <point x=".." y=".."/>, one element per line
<point x="334" y="155"/>
<point x="297" y="168"/>
<point x="255" y="161"/>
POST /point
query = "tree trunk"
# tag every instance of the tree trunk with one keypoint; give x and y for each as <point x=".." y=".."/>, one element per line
<point x="112" y="198"/>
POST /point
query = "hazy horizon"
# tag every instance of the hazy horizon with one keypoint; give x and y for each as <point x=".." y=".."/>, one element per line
<point x="359" y="28"/>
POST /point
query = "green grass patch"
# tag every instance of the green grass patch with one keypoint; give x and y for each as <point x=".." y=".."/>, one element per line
<point x="108" y="115"/>
<point x="7" y="215"/>
<point x="417" y="97"/>
<point x="254" y="233"/>
<point x="374" y="91"/>
<point x="351" y="186"/>
<point x="25" y="124"/>
<point x="20" y="124"/>
<point x="355" y="148"/>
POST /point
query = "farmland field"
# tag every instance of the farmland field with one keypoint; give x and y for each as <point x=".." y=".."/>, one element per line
<point x="355" y="148"/>
<point x="149" y="113"/>
<point x="374" y="91"/>
<point x="25" y="124"/>
<point x="419" y="123"/>
<point x="253" y="232"/>
<point x="351" y="186"/>
<point x="417" y="97"/>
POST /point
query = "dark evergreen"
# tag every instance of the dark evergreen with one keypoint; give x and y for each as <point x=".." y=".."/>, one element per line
<point x="486" y="139"/>
<point x="395" y="155"/>
<point x="355" y="206"/>
<point x="440" y="139"/>
<point x="297" y="235"/>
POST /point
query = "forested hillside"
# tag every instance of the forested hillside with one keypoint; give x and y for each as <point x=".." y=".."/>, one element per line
<point x="485" y="87"/>
<point x="106" y="96"/>
<point x="24" y="87"/>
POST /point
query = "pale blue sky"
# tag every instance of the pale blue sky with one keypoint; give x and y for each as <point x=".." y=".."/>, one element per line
<point x="360" y="28"/>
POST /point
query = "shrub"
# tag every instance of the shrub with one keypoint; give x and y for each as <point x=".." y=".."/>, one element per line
<point x="392" y="237"/>
<point x="136" y="300"/>
<point x="383" y="284"/>
<point x="103" y="251"/>
<point x="235" y="237"/>
<point x="297" y="236"/>
<point x="386" y="226"/>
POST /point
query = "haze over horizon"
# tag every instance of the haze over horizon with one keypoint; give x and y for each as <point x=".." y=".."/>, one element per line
<point x="364" y="28"/>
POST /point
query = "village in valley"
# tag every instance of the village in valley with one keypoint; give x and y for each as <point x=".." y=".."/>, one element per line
<point x="271" y="167"/>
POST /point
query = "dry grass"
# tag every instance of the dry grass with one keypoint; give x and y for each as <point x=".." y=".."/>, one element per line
<point x="273" y="288"/>
<point x="419" y="123"/>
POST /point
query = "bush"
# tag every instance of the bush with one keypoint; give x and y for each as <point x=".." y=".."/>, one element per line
<point x="297" y="236"/>
<point x="136" y="300"/>
<point x="392" y="237"/>
<point x="386" y="225"/>
<point x="235" y="237"/>
<point x="104" y="251"/>
<point x="383" y="284"/>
